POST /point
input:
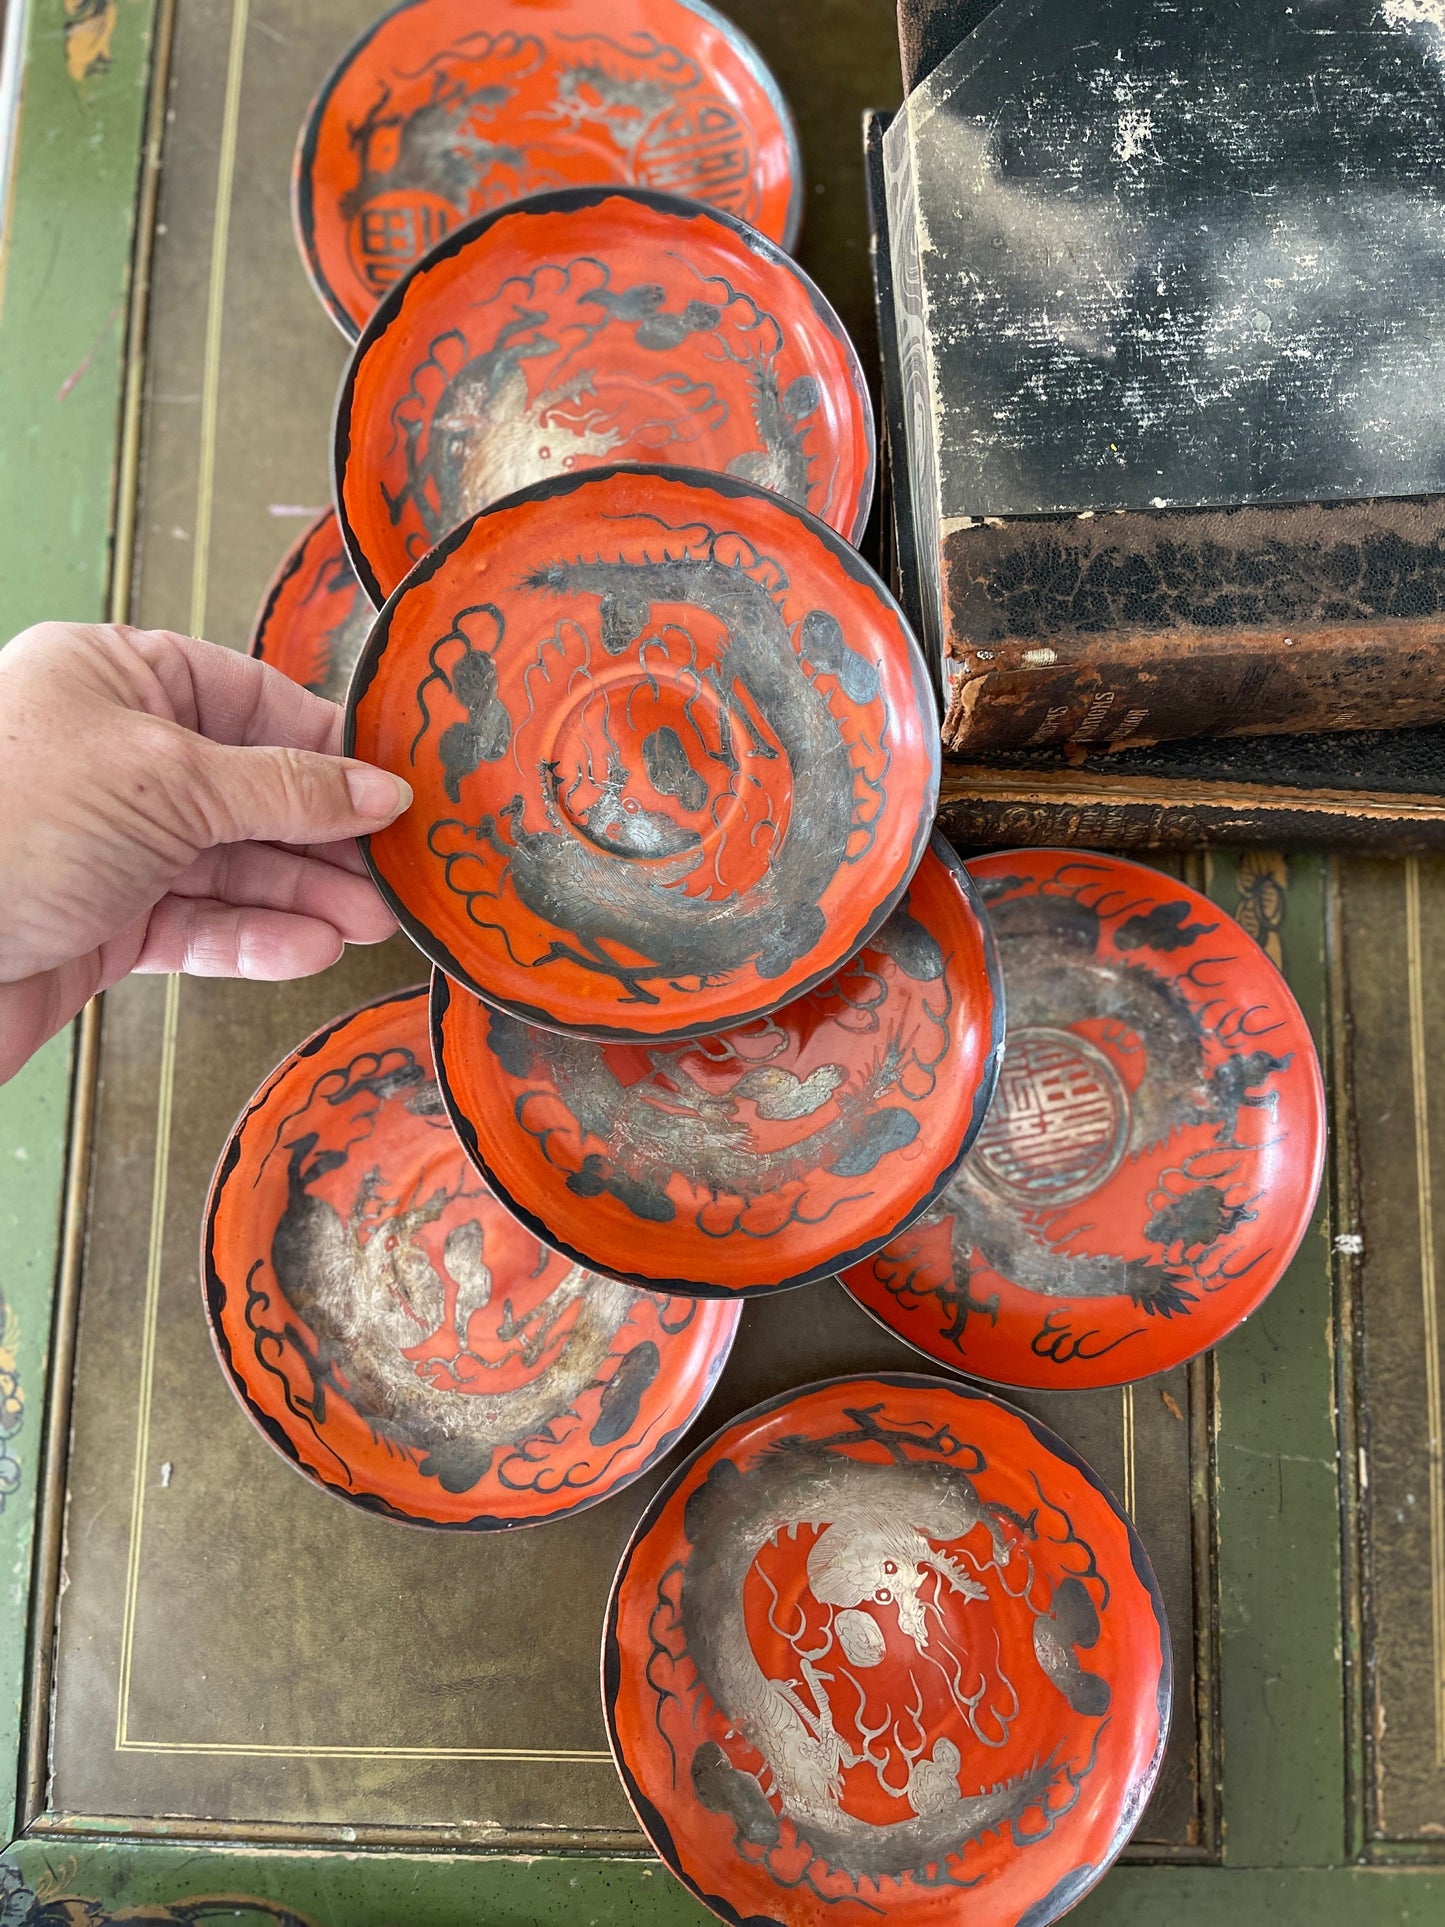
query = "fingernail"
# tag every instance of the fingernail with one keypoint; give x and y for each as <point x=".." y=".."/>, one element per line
<point x="376" y="793"/>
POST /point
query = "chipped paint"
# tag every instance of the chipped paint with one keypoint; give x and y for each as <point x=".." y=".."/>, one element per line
<point x="1134" y="136"/>
<point x="1201" y="267"/>
<point x="1414" y="13"/>
<point x="89" y="28"/>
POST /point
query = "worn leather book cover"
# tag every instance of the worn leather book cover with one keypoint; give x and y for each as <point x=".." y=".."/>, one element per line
<point x="1140" y="625"/>
<point x="1168" y="318"/>
<point x="1361" y="788"/>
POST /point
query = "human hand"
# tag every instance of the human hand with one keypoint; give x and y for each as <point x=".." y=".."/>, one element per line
<point x="169" y="805"/>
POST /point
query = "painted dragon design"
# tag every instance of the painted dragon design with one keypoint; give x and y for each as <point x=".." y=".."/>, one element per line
<point x="491" y="428"/>
<point x="1053" y="960"/>
<point x="756" y="671"/>
<point x="894" y="1541"/>
<point x="367" y="1289"/>
<point x="671" y="1122"/>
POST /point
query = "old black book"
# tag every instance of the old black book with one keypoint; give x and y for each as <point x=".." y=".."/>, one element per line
<point x="1382" y="789"/>
<point x="1167" y="300"/>
<point x="1363" y="785"/>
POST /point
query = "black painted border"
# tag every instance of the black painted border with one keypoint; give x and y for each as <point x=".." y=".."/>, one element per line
<point x="652" y="1822"/>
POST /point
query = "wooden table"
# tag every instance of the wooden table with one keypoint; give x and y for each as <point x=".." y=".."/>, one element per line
<point x="214" y="1680"/>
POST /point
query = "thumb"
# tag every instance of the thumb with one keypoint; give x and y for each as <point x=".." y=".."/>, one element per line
<point x="280" y="795"/>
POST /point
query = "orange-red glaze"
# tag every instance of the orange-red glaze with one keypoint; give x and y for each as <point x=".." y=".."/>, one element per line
<point x="440" y="112"/>
<point x="674" y="751"/>
<point x="588" y="328"/>
<point x="885" y="1649"/>
<point x="760" y="1157"/>
<point x="1153" y="1155"/>
<point x="396" y="1334"/>
<point x="316" y="615"/>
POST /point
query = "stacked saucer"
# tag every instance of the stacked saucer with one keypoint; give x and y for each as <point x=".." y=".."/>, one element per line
<point x="600" y="454"/>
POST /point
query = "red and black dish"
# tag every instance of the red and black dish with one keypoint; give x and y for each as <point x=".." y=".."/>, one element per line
<point x="397" y="1335"/>
<point x="885" y="1649"/>
<point x="316" y="616"/>
<point x="583" y="329"/>
<point x="674" y="751"/>
<point x="760" y="1157"/>
<point x="1152" y="1158"/>
<point x="438" y="113"/>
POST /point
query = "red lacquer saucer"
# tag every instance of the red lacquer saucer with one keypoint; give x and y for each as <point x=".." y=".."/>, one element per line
<point x="316" y="615"/>
<point x="674" y="751"/>
<point x="1152" y="1158"/>
<point x="885" y="1648"/>
<point x="586" y="328"/>
<point x="397" y="1335"/>
<point x="763" y="1156"/>
<point x="441" y="111"/>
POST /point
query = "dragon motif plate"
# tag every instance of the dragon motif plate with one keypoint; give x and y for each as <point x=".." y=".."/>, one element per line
<point x="885" y="1648"/>
<point x="440" y="112"/>
<point x="674" y="752"/>
<point x="397" y="1335"/>
<point x="1152" y="1158"/>
<point x="582" y="329"/>
<point x="316" y="615"/>
<point x="759" y="1157"/>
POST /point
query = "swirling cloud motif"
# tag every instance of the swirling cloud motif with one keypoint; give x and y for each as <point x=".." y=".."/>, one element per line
<point x="461" y="662"/>
<point x="689" y="1138"/>
<point x="567" y="366"/>
<point x="1165" y="927"/>
<point x="765" y="739"/>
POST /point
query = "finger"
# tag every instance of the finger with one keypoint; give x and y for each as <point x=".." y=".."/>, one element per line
<point x="206" y="939"/>
<point x="262" y="876"/>
<point x="275" y="795"/>
<point x="32" y="1010"/>
<point x="338" y="856"/>
<point x="239" y="699"/>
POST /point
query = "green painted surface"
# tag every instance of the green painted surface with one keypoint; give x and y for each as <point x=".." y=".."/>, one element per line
<point x="64" y="279"/>
<point x="32" y="1133"/>
<point x="66" y="271"/>
<point x="1282" y="1686"/>
<point x="399" y="1890"/>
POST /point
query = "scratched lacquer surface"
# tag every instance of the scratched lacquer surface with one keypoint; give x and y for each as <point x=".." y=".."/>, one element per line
<point x="671" y="746"/>
<point x="588" y="327"/>
<point x="433" y="116"/>
<point x="394" y="1331"/>
<point x="1152" y="1160"/>
<point x="1183" y="255"/>
<point x="756" y="1158"/>
<point x="885" y="1648"/>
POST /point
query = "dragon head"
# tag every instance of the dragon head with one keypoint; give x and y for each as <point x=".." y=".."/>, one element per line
<point x="875" y="1557"/>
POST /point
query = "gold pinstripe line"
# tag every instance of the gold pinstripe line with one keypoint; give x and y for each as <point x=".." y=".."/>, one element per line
<point x="1126" y="1401"/>
<point x="165" y="1100"/>
<point x="216" y="317"/>
<point x="1419" y="1072"/>
<point x="259" y="1752"/>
